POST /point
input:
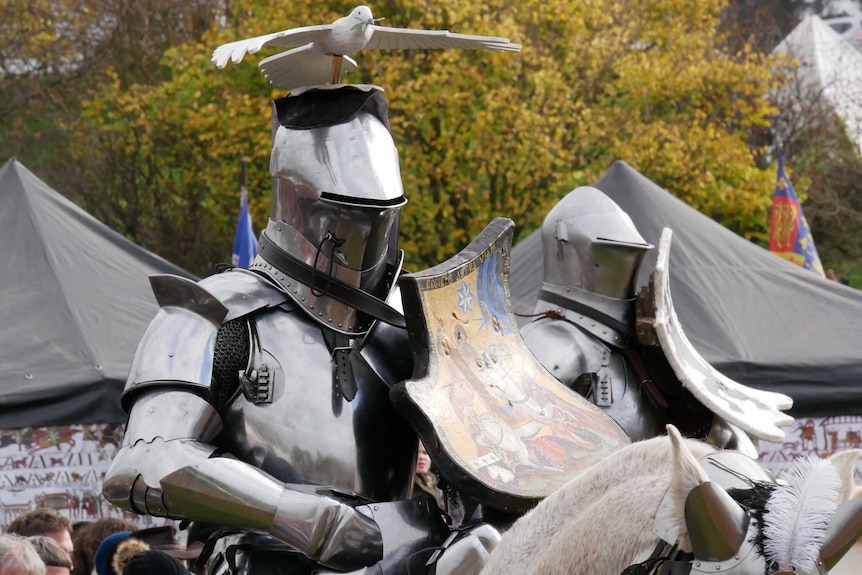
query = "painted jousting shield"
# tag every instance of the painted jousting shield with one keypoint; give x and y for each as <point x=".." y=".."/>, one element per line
<point x="496" y="424"/>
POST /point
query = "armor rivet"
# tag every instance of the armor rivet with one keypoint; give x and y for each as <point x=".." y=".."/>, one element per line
<point x="330" y="320"/>
<point x="604" y="331"/>
<point x="150" y="410"/>
<point x="310" y="306"/>
<point x="339" y="325"/>
<point x="580" y="317"/>
<point x="718" y="567"/>
<point x="28" y="376"/>
<point x="479" y="362"/>
<point x="593" y="324"/>
<point x="171" y="354"/>
<point x="375" y="508"/>
<point x="697" y="564"/>
<point x="559" y="310"/>
<point x="320" y="314"/>
<point x="303" y="299"/>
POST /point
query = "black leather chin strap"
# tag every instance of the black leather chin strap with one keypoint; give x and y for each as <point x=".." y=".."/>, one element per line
<point x="327" y="285"/>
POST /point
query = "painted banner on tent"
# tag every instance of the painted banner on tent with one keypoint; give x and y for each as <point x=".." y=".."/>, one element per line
<point x="789" y="234"/>
<point x="817" y="436"/>
<point x="63" y="468"/>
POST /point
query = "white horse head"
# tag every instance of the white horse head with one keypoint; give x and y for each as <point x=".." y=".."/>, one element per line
<point x="604" y="521"/>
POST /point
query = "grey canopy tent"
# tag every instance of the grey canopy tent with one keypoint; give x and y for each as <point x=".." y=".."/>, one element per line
<point x="75" y="301"/>
<point x="757" y="318"/>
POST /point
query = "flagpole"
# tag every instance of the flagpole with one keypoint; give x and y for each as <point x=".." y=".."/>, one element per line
<point x="244" y="242"/>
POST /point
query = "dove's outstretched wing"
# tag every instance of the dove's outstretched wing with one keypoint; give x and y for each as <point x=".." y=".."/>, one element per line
<point x="236" y="51"/>
<point x="412" y="39"/>
<point x="303" y="66"/>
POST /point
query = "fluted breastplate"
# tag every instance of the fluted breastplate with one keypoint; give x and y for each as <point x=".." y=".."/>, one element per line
<point x="308" y="432"/>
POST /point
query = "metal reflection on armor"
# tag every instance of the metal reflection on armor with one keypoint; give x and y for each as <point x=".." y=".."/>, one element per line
<point x="336" y="197"/>
<point x="260" y="403"/>
<point x="592" y="255"/>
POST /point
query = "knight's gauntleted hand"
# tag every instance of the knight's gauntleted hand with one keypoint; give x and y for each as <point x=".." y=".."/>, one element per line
<point x="330" y="532"/>
<point x="225" y="491"/>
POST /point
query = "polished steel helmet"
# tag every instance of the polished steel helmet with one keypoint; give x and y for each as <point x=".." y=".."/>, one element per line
<point x="592" y="255"/>
<point x="336" y="200"/>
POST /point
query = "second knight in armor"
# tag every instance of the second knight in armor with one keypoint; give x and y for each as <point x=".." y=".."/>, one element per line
<point x="585" y="335"/>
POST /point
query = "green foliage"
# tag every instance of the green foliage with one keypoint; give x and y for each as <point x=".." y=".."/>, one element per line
<point x="480" y="134"/>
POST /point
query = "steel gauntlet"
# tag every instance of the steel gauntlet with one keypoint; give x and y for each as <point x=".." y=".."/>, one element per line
<point x="330" y="532"/>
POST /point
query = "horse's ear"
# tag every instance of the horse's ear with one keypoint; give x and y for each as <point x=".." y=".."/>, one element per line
<point x="686" y="475"/>
<point x="845" y="463"/>
<point x="714" y="525"/>
<point x="846" y="524"/>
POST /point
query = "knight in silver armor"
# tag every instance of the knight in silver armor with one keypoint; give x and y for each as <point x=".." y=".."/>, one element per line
<point x="258" y="399"/>
<point x="585" y="327"/>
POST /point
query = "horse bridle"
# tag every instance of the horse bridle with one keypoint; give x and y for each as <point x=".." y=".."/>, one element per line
<point x="666" y="559"/>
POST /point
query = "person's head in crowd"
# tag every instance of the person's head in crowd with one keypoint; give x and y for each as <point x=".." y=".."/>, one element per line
<point x="126" y="550"/>
<point x="163" y="538"/>
<point x="423" y="461"/>
<point x="77" y="526"/>
<point x="44" y="521"/>
<point x="104" y="558"/>
<point x="154" y="562"/>
<point x="57" y="561"/>
<point x="19" y="557"/>
<point x="88" y="538"/>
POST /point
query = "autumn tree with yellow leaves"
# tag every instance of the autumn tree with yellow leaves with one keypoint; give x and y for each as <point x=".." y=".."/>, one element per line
<point x="479" y="134"/>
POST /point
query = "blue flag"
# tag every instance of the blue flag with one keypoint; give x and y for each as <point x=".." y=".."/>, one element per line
<point x="244" y="242"/>
<point x="789" y="234"/>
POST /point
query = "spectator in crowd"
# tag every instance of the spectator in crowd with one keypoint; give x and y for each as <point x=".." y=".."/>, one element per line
<point x="57" y="561"/>
<point x="87" y="539"/>
<point x="424" y="481"/>
<point x="77" y="526"/>
<point x="154" y="562"/>
<point x="832" y="275"/>
<point x="125" y="552"/>
<point x="18" y="557"/>
<point x="104" y="558"/>
<point x="44" y="521"/>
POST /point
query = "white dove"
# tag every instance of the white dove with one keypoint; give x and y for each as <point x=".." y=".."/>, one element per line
<point x="321" y="52"/>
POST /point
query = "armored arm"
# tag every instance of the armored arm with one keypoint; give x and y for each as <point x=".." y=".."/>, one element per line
<point x="169" y="466"/>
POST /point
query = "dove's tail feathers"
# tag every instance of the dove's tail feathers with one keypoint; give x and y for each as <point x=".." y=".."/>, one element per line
<point x="303" y="66"/>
